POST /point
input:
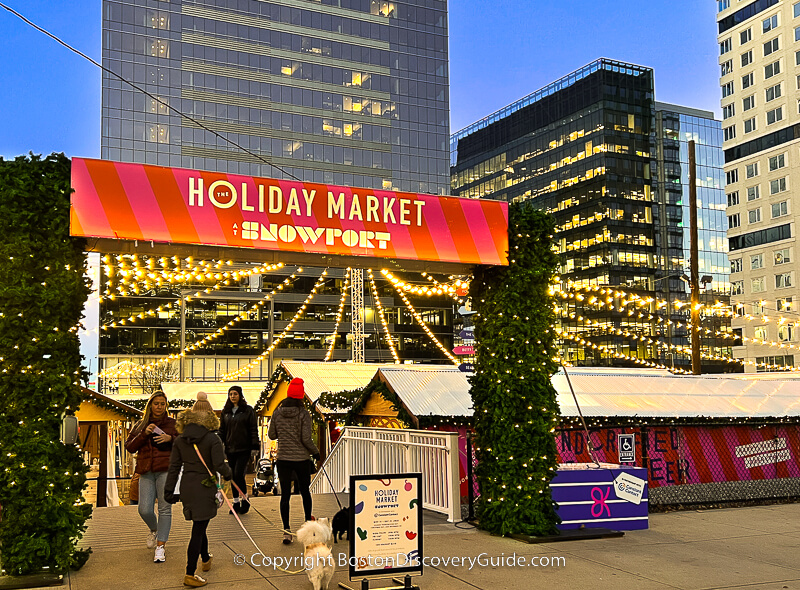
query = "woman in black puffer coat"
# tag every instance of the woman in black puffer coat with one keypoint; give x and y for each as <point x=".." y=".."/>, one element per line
<point x="198" y="488"/>
<point x="239" y="433"/>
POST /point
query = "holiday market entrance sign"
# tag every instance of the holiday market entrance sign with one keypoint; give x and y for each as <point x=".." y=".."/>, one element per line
<point x="174" y="205"/>
<point x="385" y="525"/>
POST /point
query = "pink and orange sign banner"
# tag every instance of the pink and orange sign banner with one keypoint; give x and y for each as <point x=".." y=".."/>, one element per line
<point x="140" y="202"/>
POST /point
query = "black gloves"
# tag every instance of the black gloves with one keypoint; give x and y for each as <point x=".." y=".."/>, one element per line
<point x="171" y="497"/>
<point x="316" y="456"/>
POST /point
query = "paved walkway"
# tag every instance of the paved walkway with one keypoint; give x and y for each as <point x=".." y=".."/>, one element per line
<point x="740" y="548"/>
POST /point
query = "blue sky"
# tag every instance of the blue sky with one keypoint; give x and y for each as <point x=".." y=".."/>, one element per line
<point x="500" y="51"/>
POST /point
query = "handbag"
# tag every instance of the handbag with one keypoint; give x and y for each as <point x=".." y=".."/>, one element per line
<point x="219" y="498"/>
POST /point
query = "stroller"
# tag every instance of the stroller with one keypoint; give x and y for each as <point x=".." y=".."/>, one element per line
<point x="265" y="478"/>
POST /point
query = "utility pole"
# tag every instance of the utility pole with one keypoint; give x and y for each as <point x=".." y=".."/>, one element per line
<point x="694" y="273"/>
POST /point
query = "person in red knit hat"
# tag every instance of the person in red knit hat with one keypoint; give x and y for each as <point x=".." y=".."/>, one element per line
<point x="291" y="427"/>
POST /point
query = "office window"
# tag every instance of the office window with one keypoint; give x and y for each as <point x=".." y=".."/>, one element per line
<point x="733" y="198"/>
<point x="797" y="58"/>
<point x="782" y="256"/>
<point x="729" y="133"/>
<point x="747" y="58"/>
<point x="773" y="363"/>
<point x="747" y="80"/>
<point x="776" y="162"/>
<point x="751" y="170"/>
<point x="734" y="220"/>
<point x="758" y="308"/>
<point x="760" y="332"/>
<point x="773" y="92"/>
<point x="796" y="9"/>
<point x="771" y="46"/>
<point x="756" y="261"/>
<point x="725" y="46"/>
<point x="769" y="23"/>
<point x="750" y="125"/>
<point x="783" y="280"/>
<point x="774" y="115"/>
<point x="726" y="68"/>
<point x="772" y="69"/>
<point x="797" y="33"/>
<point x="745" y="36"/>
<point x="737" y="287"/>
<point x="728" y="111"/>
<point x="777" y="186"/>
<point x="780" y="209"/>
<point x="753" y="193"/>
<point x="784" y="304"/>
<point x="754" y="215"/>
<point x="749" y="102"/>
<point x="727" y="89"/>
<point x="758" y="285"/>
<point x="736" y="265"/>
<point x="723" y="5"/>
<point x="732" y="176"/>
<point x="786" y="333"/>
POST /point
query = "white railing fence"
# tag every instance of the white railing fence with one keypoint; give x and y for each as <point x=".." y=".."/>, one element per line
<point x="379" y="451"/>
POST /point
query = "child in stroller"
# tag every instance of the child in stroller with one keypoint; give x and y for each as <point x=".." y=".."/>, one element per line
<point x="265" y="479"/>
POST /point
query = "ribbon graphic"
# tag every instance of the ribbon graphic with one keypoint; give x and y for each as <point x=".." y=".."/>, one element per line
<point x="600" y="502"/>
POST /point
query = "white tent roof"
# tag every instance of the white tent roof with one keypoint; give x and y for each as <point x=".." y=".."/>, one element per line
<point x="659" y="393"/>
<point x="440" y="391"/>
<point x="319" y="377"/>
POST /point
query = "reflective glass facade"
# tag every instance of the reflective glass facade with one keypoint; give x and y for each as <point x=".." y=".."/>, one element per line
<point x="347" y="92"/>
<point x="584" y="149"/>
<point x="675" y="127"/>
<point x="351" y="92"/>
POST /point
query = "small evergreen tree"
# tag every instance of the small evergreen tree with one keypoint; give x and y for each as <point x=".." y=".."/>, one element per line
<point x="42" y="292"/>
<point x="514" y="401"/>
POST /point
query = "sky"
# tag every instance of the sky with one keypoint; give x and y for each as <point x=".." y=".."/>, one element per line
<point x="500" y="51"/>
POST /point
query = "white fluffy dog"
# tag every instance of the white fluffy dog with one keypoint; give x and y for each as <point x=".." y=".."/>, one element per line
<point x="315" y="535"/>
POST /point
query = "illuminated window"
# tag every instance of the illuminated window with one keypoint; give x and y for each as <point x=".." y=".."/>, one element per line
<point x="159" y="48"/>
<point x="782" y="256"/>
<point x="737" y="287"/>
<point x="158" y="133"/>
<point x="736" y="265"/>
<point x="758" y="285"/>
<point x="785" y="333"/>
<point x="784" y="304"/>
<point x="159" y="106"/>
<point x="760" y="332"/>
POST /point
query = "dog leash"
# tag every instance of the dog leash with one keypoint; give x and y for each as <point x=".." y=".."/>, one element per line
<point x="333" y="489"/>
<point x="236" y="514"/>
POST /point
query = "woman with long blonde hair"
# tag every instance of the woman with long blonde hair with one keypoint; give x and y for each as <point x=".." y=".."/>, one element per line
<point x="151" y="439"/>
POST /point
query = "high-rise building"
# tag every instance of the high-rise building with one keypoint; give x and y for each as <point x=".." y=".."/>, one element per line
<point x="759" y="79"/>
<point x="344" y="92"/>
<point x="589" y="148"/>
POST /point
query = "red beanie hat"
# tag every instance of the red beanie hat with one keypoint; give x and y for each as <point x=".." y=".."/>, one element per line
<point x="296" y="389"/>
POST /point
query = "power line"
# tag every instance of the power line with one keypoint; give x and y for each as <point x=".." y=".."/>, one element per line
<point x="145" y="92"/>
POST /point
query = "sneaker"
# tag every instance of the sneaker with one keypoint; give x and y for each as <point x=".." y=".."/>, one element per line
<point x="194" y="581"/>
<point x="151" y="539"/>
<point x="207" y="564"/>
<point x="160" y="556"/>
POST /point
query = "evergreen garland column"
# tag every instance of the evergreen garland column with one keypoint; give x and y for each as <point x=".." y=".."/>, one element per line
<point x="42" y="293"/>
<point x="514" y="401"/>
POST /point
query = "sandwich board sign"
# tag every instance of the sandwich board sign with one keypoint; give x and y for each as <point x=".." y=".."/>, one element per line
<point x="385" y="525"/>
<point x="626" y="447"/>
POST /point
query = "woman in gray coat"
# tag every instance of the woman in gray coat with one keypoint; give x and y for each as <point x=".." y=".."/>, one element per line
<point x="198" y="488"/>
<point x="291" y="427"/>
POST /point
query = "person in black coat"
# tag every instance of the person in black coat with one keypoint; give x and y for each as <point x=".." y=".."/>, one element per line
<point x="238" y="430"/>
<point x="197" y="450"/>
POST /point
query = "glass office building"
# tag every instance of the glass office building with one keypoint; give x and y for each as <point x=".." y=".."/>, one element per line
<point x="351" y="92"/>
<point x="583" y="148"/>
<point x="346" y="92"/>
<point x="675" y="126"/>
